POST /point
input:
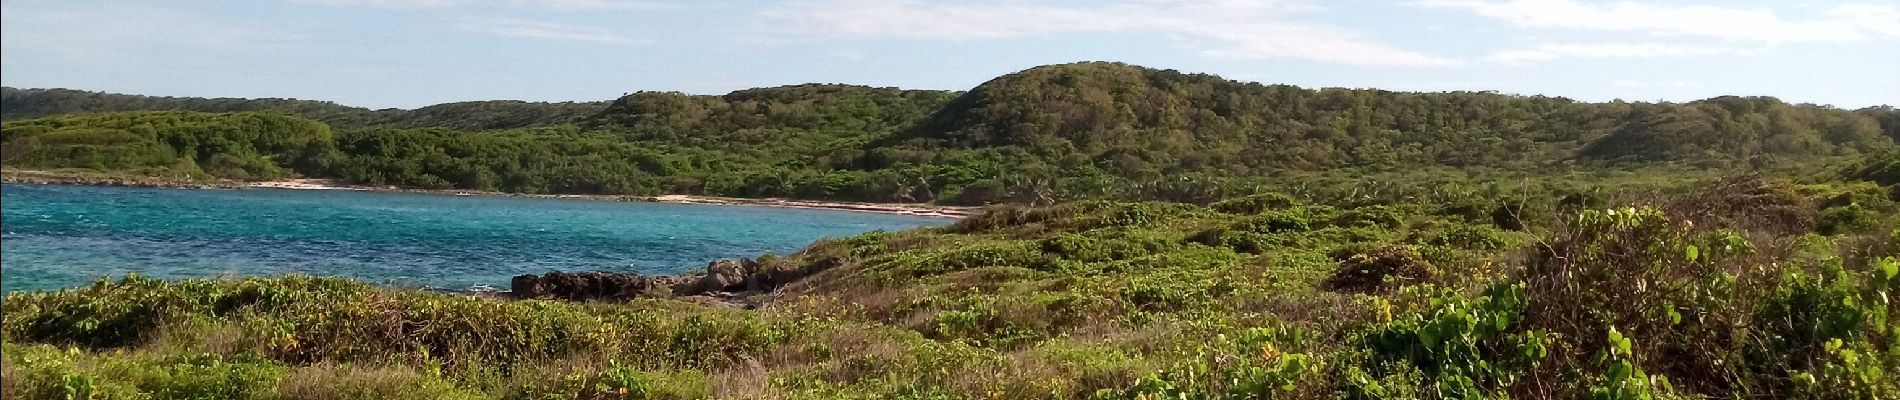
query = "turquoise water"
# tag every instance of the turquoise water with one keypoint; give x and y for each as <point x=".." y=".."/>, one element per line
<point x="64" y="236"/>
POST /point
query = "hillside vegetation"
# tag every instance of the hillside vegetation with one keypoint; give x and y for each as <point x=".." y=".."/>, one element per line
<point x="1161" y="236"/>
<point x="473" y="115"/>
<point x="1047" y="134"/>
<point x="1734" y="288"/>
<point x="249" y="145"/>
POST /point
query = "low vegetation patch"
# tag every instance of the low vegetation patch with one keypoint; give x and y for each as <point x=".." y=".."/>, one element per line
<point x="1765" y="290"/>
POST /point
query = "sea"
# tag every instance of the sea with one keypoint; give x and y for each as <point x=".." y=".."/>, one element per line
<point x="60" y="236"/>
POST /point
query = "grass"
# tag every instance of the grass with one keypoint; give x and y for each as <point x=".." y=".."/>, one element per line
<point x="1734" y="288"/>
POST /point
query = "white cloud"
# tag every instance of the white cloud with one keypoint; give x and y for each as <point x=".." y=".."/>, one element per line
<point x="596" y="4"/>
<point x="1636" y="84"/>
<point x="390" y="4"/>
<point x="1549" y="52"/>
<point x="541" y="30"/>
<point x="550" y="4"/>
<point x="1220" y="28"/>
<point x="122" y="33"/>
<point x="1843" y="23"/>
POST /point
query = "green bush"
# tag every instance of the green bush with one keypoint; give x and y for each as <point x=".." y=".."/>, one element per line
<point x="1255" y="204"/>
<point x="1464" y="347"/>
<point x="1845" y="219"/>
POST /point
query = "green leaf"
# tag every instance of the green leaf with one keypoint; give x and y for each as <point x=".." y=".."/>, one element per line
<point x="1620" y="371"/>
<point x="1804" y="378"/>
<point x="1691" y="252"/>
<point x="1428" y="336"/>
<point x="1621" y="344"/>
<point x="1293" y="364"/>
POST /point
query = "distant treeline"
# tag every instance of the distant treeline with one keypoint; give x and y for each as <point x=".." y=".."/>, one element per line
<point x="1036" y="136"/>
<point x="471" y="115"/>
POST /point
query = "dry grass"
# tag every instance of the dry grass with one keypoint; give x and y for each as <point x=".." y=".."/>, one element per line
<point x="326" y="381"/>
<point x="748" y="380"/>
<point x="204" y="337"/>
<point x="10" y="382"/>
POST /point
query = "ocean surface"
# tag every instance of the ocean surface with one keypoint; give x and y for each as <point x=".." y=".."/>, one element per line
<point x="65" y="236"/>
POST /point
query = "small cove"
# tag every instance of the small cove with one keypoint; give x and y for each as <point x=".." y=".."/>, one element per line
<point x="58" y="236"/>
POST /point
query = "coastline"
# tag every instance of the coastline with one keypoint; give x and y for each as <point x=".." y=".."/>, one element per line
<point x="98" y="179"/>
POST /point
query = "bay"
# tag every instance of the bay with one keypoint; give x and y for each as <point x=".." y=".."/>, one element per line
<point x="56" y="236"/>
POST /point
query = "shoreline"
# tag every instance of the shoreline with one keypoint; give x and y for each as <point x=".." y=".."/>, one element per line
<point x="95" y="179"/>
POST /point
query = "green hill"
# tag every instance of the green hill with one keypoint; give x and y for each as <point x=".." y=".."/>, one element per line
<point x="473" y="115"/>
<point x="1046" y="134"/>
<point x="1136" y="122"/>
<point x="244" y="145"/>
<point x="18" y="104"/>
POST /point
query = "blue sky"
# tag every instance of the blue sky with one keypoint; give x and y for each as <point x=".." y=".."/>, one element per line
<point x="410" y="53"/>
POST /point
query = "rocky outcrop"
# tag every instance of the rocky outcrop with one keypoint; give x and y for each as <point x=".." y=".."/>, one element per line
<point x="99" y="179"/>
<point x="720" y="276"/>
<point x="722" y="279"/>
<point x="591" y="286"/>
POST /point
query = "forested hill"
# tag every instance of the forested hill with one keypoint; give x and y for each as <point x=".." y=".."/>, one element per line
<point x="33" y="103"/>
<point x="772" y="119"/>
<point x="472" y="115"/>
<point x="1138" y="121"/>
<point x="1044" y="134"/>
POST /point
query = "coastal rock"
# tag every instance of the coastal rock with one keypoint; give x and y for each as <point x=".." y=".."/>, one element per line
<point x="528" y="287"/>
<point x="764" y="278"/>
<point x="591" y="286"/>
<point x="726" y="280"/>
<point x="721" y="276"/>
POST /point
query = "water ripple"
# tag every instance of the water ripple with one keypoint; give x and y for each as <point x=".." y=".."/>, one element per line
<point x="63" y="236"/>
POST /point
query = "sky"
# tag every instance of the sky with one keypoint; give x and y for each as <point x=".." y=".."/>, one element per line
<point x="412" y="53"/>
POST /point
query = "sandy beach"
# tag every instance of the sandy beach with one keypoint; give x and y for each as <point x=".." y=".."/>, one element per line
<point x="925" y="210"/>
<point x="303" y="184"/>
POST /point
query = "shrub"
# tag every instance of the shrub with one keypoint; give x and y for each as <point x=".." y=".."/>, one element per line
<point x="1370" y="217"/>
<point x="1471" y="237"/>
<point x="1464" y="347"/>
<point x="1279" y="221"/>
<point x="1379" y="270"/>
<point x="1845" y="219"/>
<point x="1831" y="332"/>
<point x="1255" y="204"/>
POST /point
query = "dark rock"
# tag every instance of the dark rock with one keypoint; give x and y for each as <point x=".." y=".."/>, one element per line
<point x="721" y="276"/>
<point x="723" y="279"/>
<point x="591" y="286"/>
<point x="527" y="287"/>
<point x="783" y="274"/>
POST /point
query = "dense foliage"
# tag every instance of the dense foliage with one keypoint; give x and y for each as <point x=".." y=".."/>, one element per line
<point x="1882" y="168"/>
<point x="237" y="145"/>
<point x="1047" y="134"/>
<point x="1735" y="288"/>
<point x="1314" y="244"/>
<point x="473" y="115"/>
